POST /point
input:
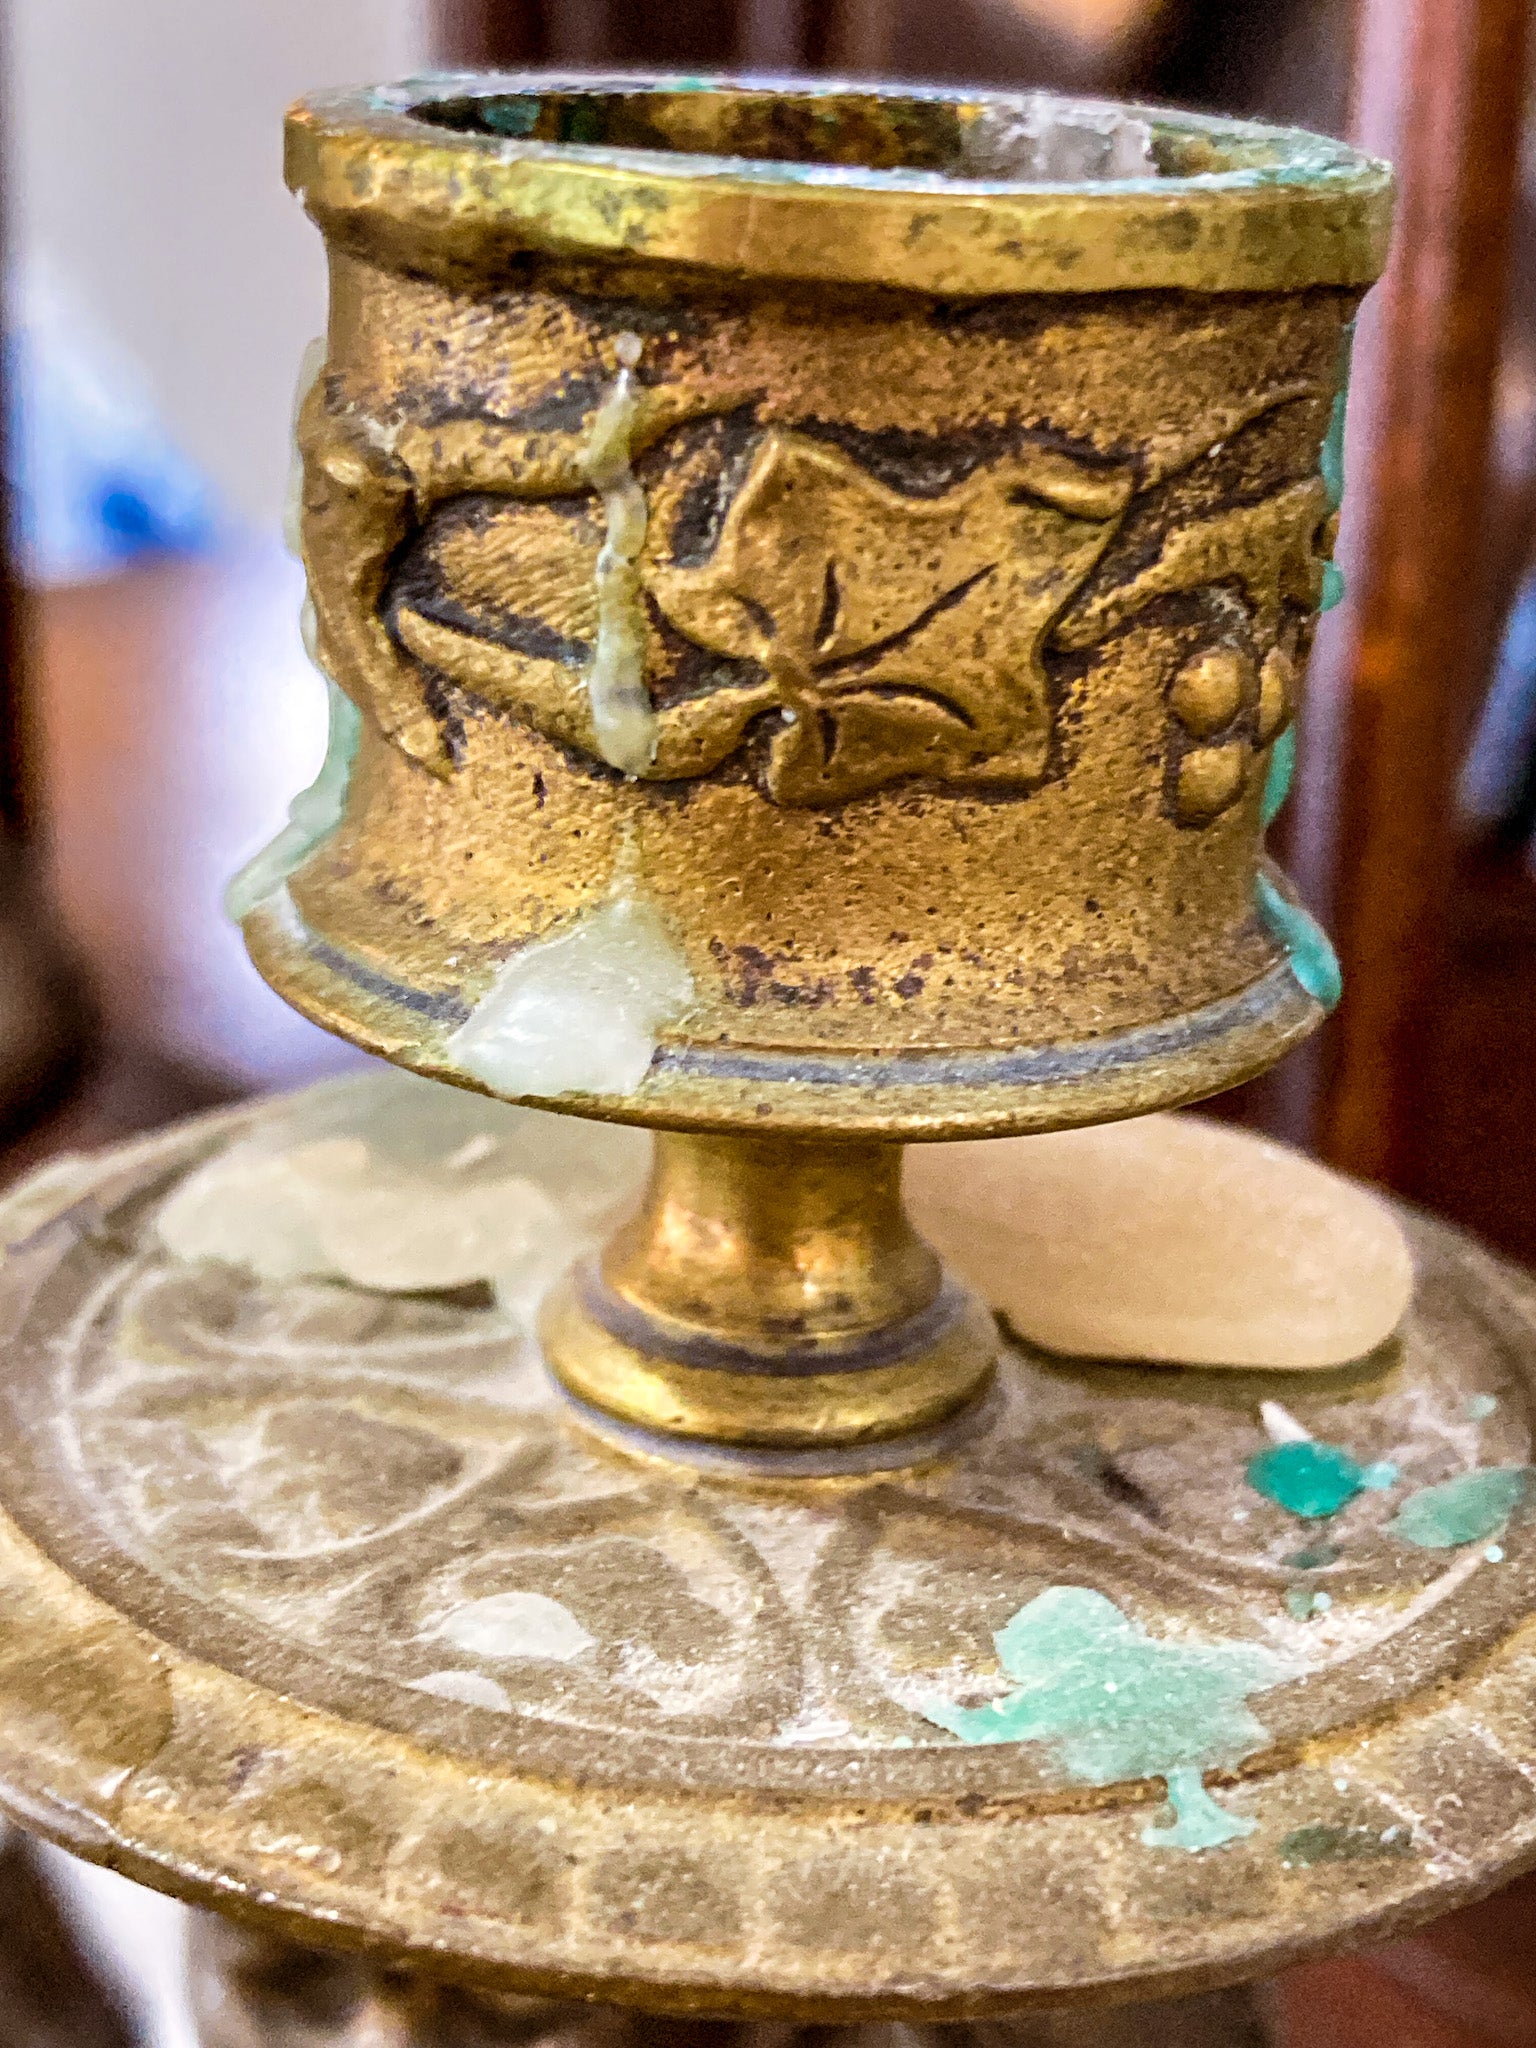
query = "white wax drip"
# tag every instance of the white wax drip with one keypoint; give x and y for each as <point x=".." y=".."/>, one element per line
<point x="623" y="718"/>
<point x="579" y="1013"/>
<point x="311" y="368"/>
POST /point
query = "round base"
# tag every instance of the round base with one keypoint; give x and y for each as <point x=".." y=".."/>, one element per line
<point x="253" y="1990"/>
<point x="321" y="1606"/>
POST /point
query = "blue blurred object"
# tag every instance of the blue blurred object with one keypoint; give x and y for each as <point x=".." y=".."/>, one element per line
<point x="95" y="481"/>
<point x="1498" y="778"/>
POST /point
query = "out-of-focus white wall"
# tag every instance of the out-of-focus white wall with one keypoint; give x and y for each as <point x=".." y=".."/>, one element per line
<point x="145" y="143"/>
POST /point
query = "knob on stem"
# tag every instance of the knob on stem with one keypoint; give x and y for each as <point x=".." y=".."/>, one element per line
<point x="771" y="1292"/>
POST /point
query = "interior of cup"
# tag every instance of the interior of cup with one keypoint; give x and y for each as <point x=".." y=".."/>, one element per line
<point x="1024" y="137"/>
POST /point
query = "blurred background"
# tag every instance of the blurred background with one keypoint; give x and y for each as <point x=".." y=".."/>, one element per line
<point x="159" y="713"/>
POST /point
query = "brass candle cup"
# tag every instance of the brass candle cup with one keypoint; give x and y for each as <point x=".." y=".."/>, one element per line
<point x="816" y="581"/>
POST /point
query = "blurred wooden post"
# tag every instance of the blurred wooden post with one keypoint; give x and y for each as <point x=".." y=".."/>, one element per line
<point x="859" y="38"/>
<point x="1439" y="88"/>
<point x="501" y="33"/>
<point x="631" y="32"/>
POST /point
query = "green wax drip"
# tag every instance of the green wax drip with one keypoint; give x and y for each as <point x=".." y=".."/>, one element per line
<point x="1309" y="1479"/>
<point x="1277" y="782"/>
<point x="1462" y="1510"/>
<point x="1302" y="1602"/>
<point x="1313" y="960"/>
<point x="1332" y="462"/>
<point x="1118" y="1704"/>
<point x="1198" y="1822"/>
<point x="1480" y="1407"/>
<point x="312" y="816"/>
<point x="1331" y="465"/>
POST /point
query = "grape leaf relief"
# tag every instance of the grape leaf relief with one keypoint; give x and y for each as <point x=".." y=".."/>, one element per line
<point x="838" y="634"/>
<point x="901" y="636"/>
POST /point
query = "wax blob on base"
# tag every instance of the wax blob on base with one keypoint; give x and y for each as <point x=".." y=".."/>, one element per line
<point x="1198" y="1822"/>
<point x="1315" y="1479"/>
<point x="1119" y="1703"/>
<point x="1467" y="1509"/>
<point x="312" y="816"/>
<point x="1168" y="1239"/>
<point x="579" y="1012"/>
<point x="404" y="1186"/>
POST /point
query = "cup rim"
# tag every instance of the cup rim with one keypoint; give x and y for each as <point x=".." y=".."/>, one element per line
<point x="1274" y="208"/>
